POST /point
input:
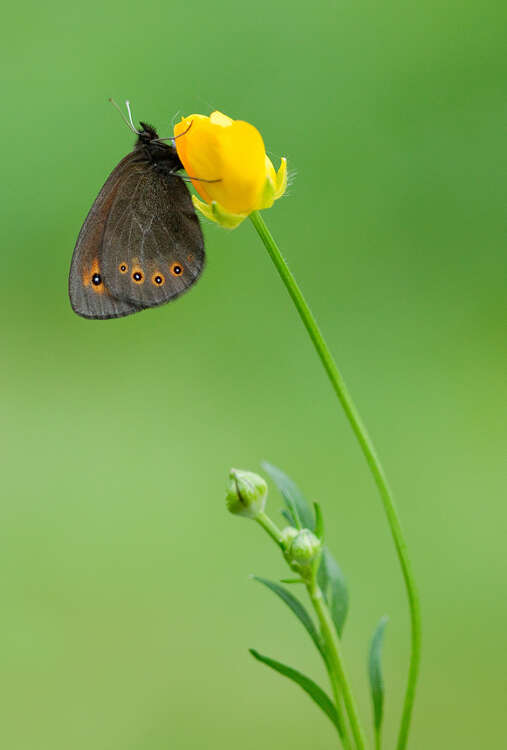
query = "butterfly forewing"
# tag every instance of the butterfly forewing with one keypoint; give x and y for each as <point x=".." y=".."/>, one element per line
<point x="153" y="248"/>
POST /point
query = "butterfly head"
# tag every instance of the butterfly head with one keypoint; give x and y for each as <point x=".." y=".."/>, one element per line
<point x="147" y="133"/>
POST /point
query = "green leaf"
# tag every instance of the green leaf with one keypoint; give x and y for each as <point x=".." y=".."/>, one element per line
<point x="322" y="574"/>
<point x="291" y="494"/>
<point x="319" y="521"/>
<point x="332" y="583"/>
<point x="375" y="673"/>
<point x="299" y="610"/>
<point x="293" y="512"/>
<point x="308" y="685"/>
<point x="291" y="580"/>
<point x="288" y="517"/>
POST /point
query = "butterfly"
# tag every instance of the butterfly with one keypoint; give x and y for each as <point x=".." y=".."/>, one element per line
<point x="141" y="244"/>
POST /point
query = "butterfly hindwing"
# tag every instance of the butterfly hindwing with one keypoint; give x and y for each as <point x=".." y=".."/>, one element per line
<point x="153" y="248"/>
<point x="88" y="294"/>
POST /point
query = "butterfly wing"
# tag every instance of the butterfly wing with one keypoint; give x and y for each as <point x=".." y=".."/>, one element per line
<point x="89" y="295"/>
<point x="153" y="249"/>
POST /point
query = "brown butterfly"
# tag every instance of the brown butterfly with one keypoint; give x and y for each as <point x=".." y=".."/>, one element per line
<point x="141" y="244"/>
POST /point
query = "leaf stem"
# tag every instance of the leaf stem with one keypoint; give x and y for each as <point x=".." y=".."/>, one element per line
<point x="371" y="457"/>
<point x="336" y="669"/>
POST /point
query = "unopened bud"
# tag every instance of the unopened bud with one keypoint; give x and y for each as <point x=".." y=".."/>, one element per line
<point x="247" y="493"/>
<point x="288" y="534"/>
<point x="304" y="553"/>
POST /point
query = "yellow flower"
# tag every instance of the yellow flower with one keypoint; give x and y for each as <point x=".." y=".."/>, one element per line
<point x="227" y="163"/>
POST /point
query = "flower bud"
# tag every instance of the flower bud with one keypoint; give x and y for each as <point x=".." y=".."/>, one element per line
<point x="288" y="534"/>
<point x="304" y="552"/>
<point x="247" y="493"/>
<point x="228" y="166"/>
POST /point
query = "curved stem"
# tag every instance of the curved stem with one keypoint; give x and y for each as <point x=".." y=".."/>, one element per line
<point x="337" y="673"/>
<point x="372" y="459"/>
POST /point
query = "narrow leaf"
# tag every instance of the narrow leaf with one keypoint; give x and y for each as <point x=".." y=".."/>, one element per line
<point x="299" y="610"/>
<point x="293" y="511"/>
<point x="308" y="685"/>
<point x="292" y="494"/>
<point x="375" y="673"/>
<point x="285" y="513"/>
<point x="291" y="580"/>
<point x="319" y="521"/>
<point x="322" y="574"/>
<point x="332" y="582"/>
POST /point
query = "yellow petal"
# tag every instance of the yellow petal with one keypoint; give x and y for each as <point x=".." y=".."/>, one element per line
<point x="227" y="164"/>
<point x="218" y="118"/>
<point x="228" y="151"/>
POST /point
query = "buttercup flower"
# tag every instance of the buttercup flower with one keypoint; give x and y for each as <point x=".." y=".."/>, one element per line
<point x="227" y="163"/>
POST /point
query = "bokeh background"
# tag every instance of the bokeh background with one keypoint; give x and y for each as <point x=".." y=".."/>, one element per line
<point x="126" y="605"/>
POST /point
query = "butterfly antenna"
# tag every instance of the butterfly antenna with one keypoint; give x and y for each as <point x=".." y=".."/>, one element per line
<point x="173" y="137"/>
<point x="127" y="103"/>
<point x="130" y="124"/>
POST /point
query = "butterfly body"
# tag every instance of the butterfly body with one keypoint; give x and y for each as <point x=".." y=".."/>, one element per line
<point x="141" y="244"/>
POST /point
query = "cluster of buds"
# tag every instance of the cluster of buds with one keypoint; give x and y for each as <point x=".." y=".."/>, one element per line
<point x="246" y="496"/>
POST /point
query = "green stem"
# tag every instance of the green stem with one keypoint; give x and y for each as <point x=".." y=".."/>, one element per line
<point x="371" y="457"/>
<point x="337" y="674"/>
<point x="271" y="527"/>
<point x="342" y="719"/>
<point x="274" y="532"/>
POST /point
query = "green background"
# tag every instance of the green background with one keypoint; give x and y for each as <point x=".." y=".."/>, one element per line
<point x="126" y="605"/>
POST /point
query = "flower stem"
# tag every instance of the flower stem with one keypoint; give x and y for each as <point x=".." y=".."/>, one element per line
<point x="337" y="674"/>
<point x="372" y="459"/>
<point x="271" y="527"/>
<point x="274" y="532"/>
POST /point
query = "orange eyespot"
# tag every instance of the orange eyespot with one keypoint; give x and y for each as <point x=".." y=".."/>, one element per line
<point x="176" y="269"/>
<point x="190" y="257"/>
<point x="93" y="278"/>
<point x="137" y="275"/>
<point x="158" y="279"/>
<point x="123" y="268"/>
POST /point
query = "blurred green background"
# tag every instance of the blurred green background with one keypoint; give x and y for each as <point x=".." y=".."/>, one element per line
<point x="126" y="605"/>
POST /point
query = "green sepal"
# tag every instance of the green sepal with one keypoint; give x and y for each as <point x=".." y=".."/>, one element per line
<point x="268" y="194"/>
<point x="281" y="179"/>
<point x="215" y="212"/>
<point x="309" y="686"/>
